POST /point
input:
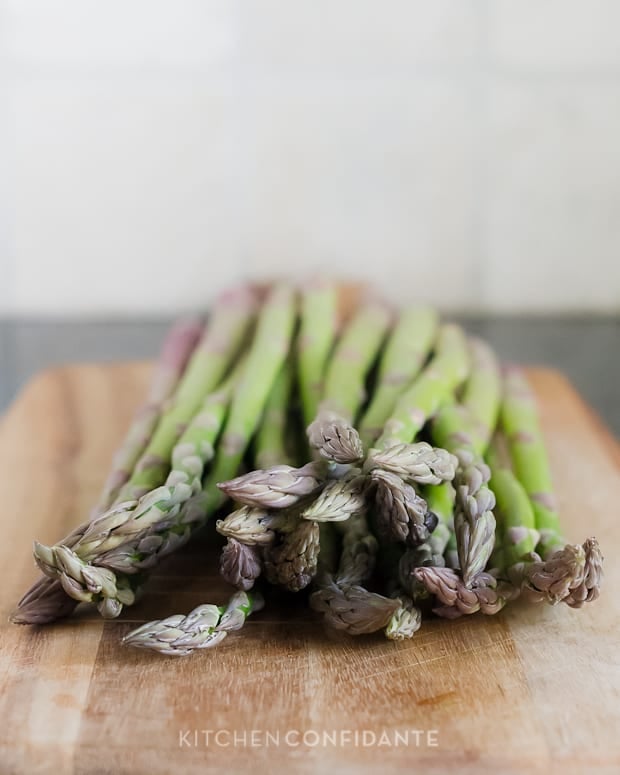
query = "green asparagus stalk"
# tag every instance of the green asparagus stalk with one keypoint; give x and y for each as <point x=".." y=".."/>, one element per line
<point x="480" y="400"/>
<point x="251" y="388"/>
<point x="222" y="341"/>
<point x="515" y="516"/>
<point x="474" y="522"/>
<point x="354" y="355"/>
<point x="46" y="601"/>
<point x="265" y="359"/>
<point x="571" y="575"/>
<point x="135" y="535"/>
<point x="440" y="502"/>
<point x="481" y="395"/>
<point x="520" y="423"/>
<point x="271" y="438"/>
<point x="447" y="369"/>
<point x="465" y="430"/>
<point x="407" y="348"/>
<point x="319" y="313"/>
<point x="331" y="433"/>
<point x="204" y="627"/>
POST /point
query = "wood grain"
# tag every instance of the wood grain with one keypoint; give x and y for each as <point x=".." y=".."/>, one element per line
<point x="530" y="690"/>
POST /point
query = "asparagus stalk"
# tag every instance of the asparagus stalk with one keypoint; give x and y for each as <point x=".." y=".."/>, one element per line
<point x="319" y="312"/>
<point x="271" y="439"/>
<point x="447" y="369"/>
<point x="204" y="627"/>
<point x="481" y="395"/>
<point x="480" y="400"/>
<point x="46" y="601"/>
<point x="222" y="341"/>
<point x="175" y="354"/>
<point x="466" y="430"/>
<point x="515" y="516"/>
<point x="266" y="357"/>
<point x="407" y="348"/>
<point x="332" y="432"/>
<point x="135" y="535"/>
<point x="520" y="423"/>
<point x="474" y="523"/>
<point x="440" y="502"/>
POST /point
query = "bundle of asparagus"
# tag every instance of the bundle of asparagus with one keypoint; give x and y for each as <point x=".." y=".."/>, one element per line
<point x="420" y="485"/>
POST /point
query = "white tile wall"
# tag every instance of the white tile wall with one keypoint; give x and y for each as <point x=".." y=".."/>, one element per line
<point x="553" y="207"/>
<point x="460" y="151"/>
<point x="562" y="36"/>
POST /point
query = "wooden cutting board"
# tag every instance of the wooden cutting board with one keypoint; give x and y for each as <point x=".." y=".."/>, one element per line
<point x="529" y="690"/>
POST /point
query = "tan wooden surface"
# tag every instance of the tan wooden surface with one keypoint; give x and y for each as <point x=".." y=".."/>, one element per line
<point x="532" y="689"/>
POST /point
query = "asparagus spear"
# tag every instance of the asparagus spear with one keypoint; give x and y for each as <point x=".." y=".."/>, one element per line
<point x="271" y="438"/>
<point x="474" y="523"/>
<point x="204" y="627"/>
<point x="331" y="432"/>
<point x="481" y="395"/>
<point x="135" y="535"/>
<point x="222" y="341"/>
<point x="440" y="502"/>
<point x="480" y="398"/>
<point x="447" y="369"/>
<point x="319" y="308"/>
<point x="520" y="423"/>
<point x="483" y="594"/>
<point x="175" y="354"/>
<point x="588" y="589"/>
<point x="466" y="430"/>
<point x="46" y="600"/>
<point x="339" y="500"/>
<point x="240" y="564"/>
<point x="515" y="515"/>
<point x="419" y="463"/>
<point x="343" y="601"/>
<point x="277" y="487"/>
<point x="407" y="348"/>
<point x="402" y="515"/>
<point x="266" y="357"/>
<point x="571" y="575"/>
<point x="293" y="563"/>
<point x="254" y="526"/>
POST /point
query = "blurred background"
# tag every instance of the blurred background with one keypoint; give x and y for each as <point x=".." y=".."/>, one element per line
<point x="462" y="151"/>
